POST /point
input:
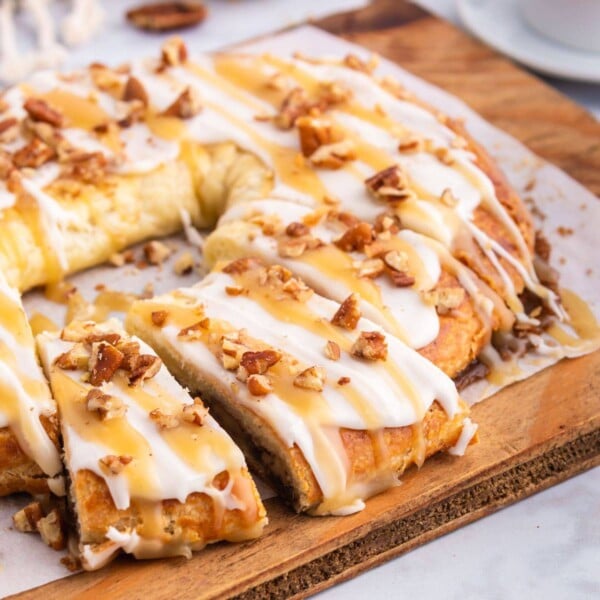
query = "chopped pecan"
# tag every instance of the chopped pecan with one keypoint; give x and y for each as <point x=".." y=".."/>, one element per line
<point x="40" y="110"/>
<point x="296" y="104"/>
<point x="332" y="350"/>
<point x="411" y="144"/>
<point x="108" y="407"/>
<point x="156" y="252"/>
<point x="385" y="222"/>
<point x="103" y="336"/>
<point x="354" y="62"/>
<point x="76" y="358"/>
<point x="389" y="184"/>
<point x="27" y="518"/>
<point x="234" y="290"/>
<point x="334" y="155"/>
<point x="194" y="413"/>
<point x="312" y="378"/>
<point x="130" y="112"/>
<point x="33" y="155"/>
<point x="104" y="362"/>
<point x="131" y="352"/>
<point x="314" y="132"/>
<point x="164" y="420"/>
<point x="185" y="106"/>
<point x="89" y="167"/>
<point x="174" y="52"/>
<point x="355" y="238"/>
<point x="445" y="299"/>
<point x="371" y="267"/>
<point x="232" y="351"/>
<point x="296" y="229"/>
<point x="258" y="363"/>
<point x="167" y="16"/>
<point x="106" y="79"/>
<point x="9" y="130"/>
<point x="348" y="314"/>
<point x="259" y="385"/>
<point x="297" y="289"/>
<point x="400" y="278"/>
<point x="159" y="317"/>
<point x="444" y="155"/>
<point x="396" y="260"/>
<point x="291" y="248"/>
<point x="241" y="265"/>
<point x="114" y="465"/>
<point x="193" y="332"/>
<point x="135" y="90"/>
<point x="146" y="367"/>
<point x="343" y="381"/>
<point x="52" y="530"/>
<point x="277" y="274"/>
<point x="370" y="345"/>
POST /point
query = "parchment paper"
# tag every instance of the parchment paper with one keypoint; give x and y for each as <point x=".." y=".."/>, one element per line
<point x="25" y="562"/>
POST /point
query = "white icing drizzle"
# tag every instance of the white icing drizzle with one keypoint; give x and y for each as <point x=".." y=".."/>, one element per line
<point x="469" y="429"/>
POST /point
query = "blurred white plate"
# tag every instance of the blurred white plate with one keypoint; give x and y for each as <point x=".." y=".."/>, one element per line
<point x="499" y="23"/>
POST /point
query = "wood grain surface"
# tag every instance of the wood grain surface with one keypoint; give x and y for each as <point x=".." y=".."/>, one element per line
<point x="532" y="434"/>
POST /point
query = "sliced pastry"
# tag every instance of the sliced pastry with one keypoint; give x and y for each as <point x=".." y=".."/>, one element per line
<point x="322" y="400"/>
<point x="29" y="445"/>
<point x="151" y="473"/>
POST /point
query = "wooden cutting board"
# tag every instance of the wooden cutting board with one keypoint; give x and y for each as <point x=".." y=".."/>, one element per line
<point x="532" y="434"/>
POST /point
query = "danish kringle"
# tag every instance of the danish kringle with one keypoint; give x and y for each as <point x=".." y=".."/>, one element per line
<point x="151" y="471"/>
<point x="377" y="201"/>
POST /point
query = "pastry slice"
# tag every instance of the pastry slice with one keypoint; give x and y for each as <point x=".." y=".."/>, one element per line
<point x="321" y="400"/>
<point x="29" y="454"/>
<point x="151" y="472"/>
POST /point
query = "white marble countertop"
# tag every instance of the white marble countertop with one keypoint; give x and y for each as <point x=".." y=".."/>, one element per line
<point x="547" y="546"/>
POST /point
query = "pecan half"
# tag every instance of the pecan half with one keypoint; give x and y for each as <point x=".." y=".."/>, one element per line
<point x="40" y="110"/>
<point x="332" y="350"/>
<point x="167" y="16"/>
<point x="33" y="155"/>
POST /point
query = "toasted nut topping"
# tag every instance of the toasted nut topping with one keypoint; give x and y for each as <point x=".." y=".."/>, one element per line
<point x="390" y="184"/>
<point x="234" y="290"/>
<point x="385" y="222"/>
<point x="159" y="317"/>
<point x="445" y="299"/>
<point x="343" y="381"/>
<point x="448" y="198"/>
<point x="9" y="130"/>
<point x="134" y="90"/>
<point x="108" y="407"/>
<point x="184" y="264"/>
<point x="332" y="350"/>
<point x="411" y="144"/>
<point x="220" y="480"/>
<point x="194" y="413"/>
<point x="370" y="345"/>
<point x="348" y="314"/>
<point x="396" y="260"/>
<point x="193" y="332"/>
<point x="355" y="238"/>
<point x="113" y="465"/>
<point x="86" y="167"/>
<point x="334" y="155"/>
<point x="27" y="518"/>
<point x="354" y="62"/>
<point x="258" y="363"/>
<point x="52" y="530"/>
<point x="146" y="367"/>
<point x="174" y="52"/>
<point x="297" y="289"/>
<point x="103" y="336"/>
<point x="164" y="420"/>
<point x="296" y="230"/>
<point x="259" y="385"/>
<point x="294" y="105"/>
<point x="371" y="267"/>
<point x="312" y="378"/>
<point x="104" y="362"/>
<point x="400" y="278"/>
<point x="131" y="352"/>
<point x="40" y="110"/>
<point x="106" y="79"/>
<point x="156" y="252"/>
<point x="241" y="265"/>
<point x="444" y="155"/>
<point x="165" y="16"/>
<point x="185" y="106"/>
<point x="74" y="359"/>
<point x="33" y="155"/>
<point x="291" y="248"/>
<point x="314" y="132"/>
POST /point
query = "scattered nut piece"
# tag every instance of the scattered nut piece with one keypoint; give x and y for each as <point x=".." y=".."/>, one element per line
<point x="156" y="252"/>
<point x="371" y="267"/>
<point x="40" y="110"/>
<point x="159" y="317"/>
<point x="355" y="238"/>
<point x="108" y="407"/>
<point x="448" y="198"/>
<point x="9" y="130"/>
<point x="194" y="413"/>
<point x="296" y="229"/>
<point x="135" y="90"/>
<point x="297" y="289"/>
<point x="114" y="465"/>
<point x="52" y="530"/>
<point x="411" y="144"/>
<point x="390" y="184"/>
<point x="445" y="299"/>
<point x="164" y="420"/>
<point x="259" y="385"/>
<point x="396" y="260"/>
<point x="354" y="62"/>
<point x="27" y="518"/>
<point x="312" y="378"/>
<point x="184" y="264"/>
<point x="400" y="278"/>
<point x="74" y="359"/>
<point x="314" y="132"/>
<point x="370" y="345"/>
<point x="234" y="290"/>
<point x="185" y="106"/>
<point x="258" y="363"/>
<point x="33" y="155"/>
<point x="334" y="155"/>
<point x="146" y="367"/>
<point x="332" y="350"/>
<point x="104" y="361"/>
<point x="291" y="248"/>
<point x="294" y="105"/>
<point x="444" y="155"/>
<point x="348" y="314"/>
<point x="343" y="381"/>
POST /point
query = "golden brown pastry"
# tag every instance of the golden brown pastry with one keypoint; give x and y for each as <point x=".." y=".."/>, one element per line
<point x="151" y="473"/>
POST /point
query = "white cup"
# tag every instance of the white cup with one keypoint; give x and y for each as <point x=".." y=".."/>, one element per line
<point x="574" y="23"/>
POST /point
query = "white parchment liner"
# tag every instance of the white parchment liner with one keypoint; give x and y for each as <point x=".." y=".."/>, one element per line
<point x="24" y="560"/>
